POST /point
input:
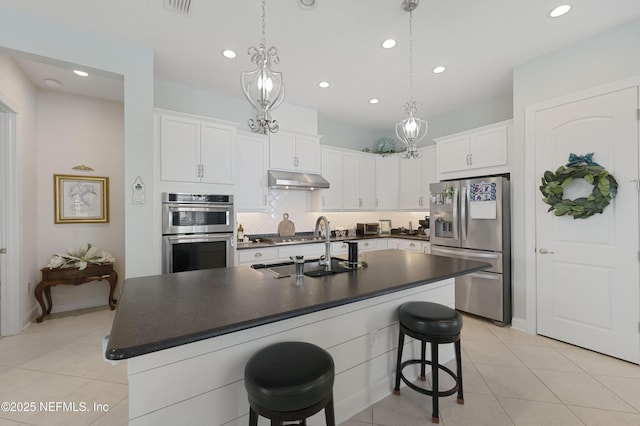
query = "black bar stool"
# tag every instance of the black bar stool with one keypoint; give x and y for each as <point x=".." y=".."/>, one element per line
<point x="290" y="381"/>
<point x="436" y="324"/>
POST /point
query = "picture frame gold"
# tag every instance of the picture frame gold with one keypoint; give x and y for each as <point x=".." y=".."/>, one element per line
<point x="80" y="199"/>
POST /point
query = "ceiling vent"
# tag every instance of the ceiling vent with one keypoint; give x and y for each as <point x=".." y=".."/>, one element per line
<point x="179" y="6"/>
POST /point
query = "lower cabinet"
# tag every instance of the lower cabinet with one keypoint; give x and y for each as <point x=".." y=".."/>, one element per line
<point x="258" y="255"/>
<point x="409" y="245"/>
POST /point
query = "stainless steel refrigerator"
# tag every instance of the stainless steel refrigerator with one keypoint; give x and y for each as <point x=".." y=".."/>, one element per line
<point x="470" y="219"/>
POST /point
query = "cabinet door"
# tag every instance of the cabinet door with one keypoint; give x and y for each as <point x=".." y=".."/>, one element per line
<point x="387" y="183"/>
<point x="410" y="184"/>
<point x="350" y="182"/>
<point x="179" y="149"/>
<point x="453" y="154"/>
<point x="260" y="255"/>
<point x="307" y="153"/>
<point x="331" y="199"/>
<point x="366" y="182"/>
<point x="251" y="174"/>
<point x="216" y="153"/>
<point x="281" y="151"/>
<point x="489" y="148"/>
<point x="429" y="173"/>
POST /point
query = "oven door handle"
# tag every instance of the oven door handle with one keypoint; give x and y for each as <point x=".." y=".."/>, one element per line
<point x="199" y="237"/>
<point x="196" y="207"/>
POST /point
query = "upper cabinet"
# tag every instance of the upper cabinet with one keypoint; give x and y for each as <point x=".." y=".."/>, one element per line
<point x="251" y="193"/>
<point x="481" y="151"/>
<point x="294" y="152"/>
<point x="387" y="182"/>
<point x="331" y="198"/>
<point x="414" y="176"/>
<point x="358" y="181"/>
<point x="193" y="149"/>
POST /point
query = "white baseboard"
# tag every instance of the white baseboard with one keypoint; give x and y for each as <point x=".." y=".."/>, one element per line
<point x="519" y="324"/>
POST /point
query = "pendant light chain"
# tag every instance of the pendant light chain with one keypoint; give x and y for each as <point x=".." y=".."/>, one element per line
<point x="264" y="24"/>
<point x="411" y="54"/>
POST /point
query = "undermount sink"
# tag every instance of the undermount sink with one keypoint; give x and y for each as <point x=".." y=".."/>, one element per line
<point x="312" y="268"/>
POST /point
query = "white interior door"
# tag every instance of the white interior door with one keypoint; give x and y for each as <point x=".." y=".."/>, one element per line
<point x="588" y="280"/>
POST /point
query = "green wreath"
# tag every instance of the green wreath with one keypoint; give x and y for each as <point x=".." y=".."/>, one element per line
<point x="605" y="187"/>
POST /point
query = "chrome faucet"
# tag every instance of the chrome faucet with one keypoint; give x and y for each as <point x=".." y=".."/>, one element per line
<point x="327" y="241"/>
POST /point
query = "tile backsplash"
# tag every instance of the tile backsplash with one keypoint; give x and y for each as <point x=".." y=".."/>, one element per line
<point x="299" y="206"/>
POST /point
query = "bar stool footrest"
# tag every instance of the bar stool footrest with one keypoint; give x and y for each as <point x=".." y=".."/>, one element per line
<point x="423" y="391"/>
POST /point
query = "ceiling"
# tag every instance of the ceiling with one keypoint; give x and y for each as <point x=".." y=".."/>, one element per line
<point x="339" y="41"/>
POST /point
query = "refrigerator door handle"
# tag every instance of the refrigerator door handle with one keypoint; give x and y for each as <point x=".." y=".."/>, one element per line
<point x="494" y="277"/>
<point x="463" y="213"/>
<point x="439" y="249"/>
<point x="455" y="213"/>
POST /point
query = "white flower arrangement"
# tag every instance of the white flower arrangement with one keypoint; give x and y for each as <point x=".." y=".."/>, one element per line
<point x="80" y="258"/>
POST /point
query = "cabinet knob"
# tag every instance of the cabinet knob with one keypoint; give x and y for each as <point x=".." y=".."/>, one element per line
<point x="258" y="254"/>
<point x="412" y="245"/>
<point x="545" y="251"/>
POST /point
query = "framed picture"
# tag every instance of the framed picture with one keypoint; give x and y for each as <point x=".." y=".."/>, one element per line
<point x="81" y="199"/>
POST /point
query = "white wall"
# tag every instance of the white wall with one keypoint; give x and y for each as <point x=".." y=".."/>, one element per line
<point x="16" y="89"/>
<point x="30" y="35"/>
<point x="194" y="101"/>
<point x="606" y="58"/>
<point x="74" y="130"/>
<point x="488" y="111"/>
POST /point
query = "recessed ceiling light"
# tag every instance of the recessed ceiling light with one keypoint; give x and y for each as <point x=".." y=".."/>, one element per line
<point x="229" y="54"/>
<point x="388" y="43"/>
<point x="81" y="73"/>
<point x="374" y="100"/>
<point x="52" y="83"/>
<point x="439" y="69"/>
<point x="560" y="10"/>
<point x="323" y="84"/>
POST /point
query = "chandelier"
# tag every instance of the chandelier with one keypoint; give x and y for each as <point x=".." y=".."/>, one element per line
<point x="263" y="87"/>
<point x="411" y="130"/>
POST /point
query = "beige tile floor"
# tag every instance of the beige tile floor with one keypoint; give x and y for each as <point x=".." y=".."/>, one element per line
<point x="60" y="361"/>
<point x="510" y="378"/>
<point x="514" y="378"/>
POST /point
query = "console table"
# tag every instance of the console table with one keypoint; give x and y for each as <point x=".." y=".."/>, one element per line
<point x="73" y="276"/>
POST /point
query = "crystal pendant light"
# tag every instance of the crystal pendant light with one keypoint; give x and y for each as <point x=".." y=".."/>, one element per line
<point x="411" y="130"/>
<point x="263" y="87"/>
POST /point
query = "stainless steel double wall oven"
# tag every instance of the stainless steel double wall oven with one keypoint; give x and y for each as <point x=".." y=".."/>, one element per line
<point x="197" y="232"/>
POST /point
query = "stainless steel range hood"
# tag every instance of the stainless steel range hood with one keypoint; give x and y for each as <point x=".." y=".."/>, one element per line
<point x="279" y="179"/>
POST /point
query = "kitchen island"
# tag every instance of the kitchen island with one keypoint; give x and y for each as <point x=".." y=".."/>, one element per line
<point x="188" y="335"/>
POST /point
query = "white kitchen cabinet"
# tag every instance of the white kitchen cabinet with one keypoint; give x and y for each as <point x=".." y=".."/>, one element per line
<point x="294" y="152"/>
<point x="193" y="149"/>
<point x="371" y="244"/>
<point x="404" y="244"/>
<point x="480" y="151"/>
<point x="258" y="255"/>
<point x="358" y="181"/>
<point x="414" y="177"/>
<point x="331" y="198"/>
<point x="251" y="192"/>
<point x="426" y="247"/>
<point x="387" y="182"/>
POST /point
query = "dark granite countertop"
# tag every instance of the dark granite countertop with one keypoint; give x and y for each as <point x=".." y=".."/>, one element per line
<point x="262" y="244"/>
<point x="164" y="311"/>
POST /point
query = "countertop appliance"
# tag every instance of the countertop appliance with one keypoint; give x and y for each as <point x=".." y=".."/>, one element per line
<point x="372" y="228"/>
<point x="471" y="219"/>
<point x="197" y="232"/>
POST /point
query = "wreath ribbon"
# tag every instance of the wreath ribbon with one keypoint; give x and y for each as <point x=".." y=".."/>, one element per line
<point x="576" y="160"/>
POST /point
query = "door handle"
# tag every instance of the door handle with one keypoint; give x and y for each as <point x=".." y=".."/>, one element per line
<point x="544" y="251"/>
